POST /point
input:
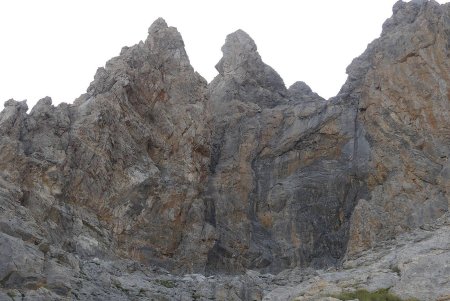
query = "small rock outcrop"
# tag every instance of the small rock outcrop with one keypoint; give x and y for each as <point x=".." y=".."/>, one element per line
<point x="157" y="185"/>
<point x="243" y="74"/>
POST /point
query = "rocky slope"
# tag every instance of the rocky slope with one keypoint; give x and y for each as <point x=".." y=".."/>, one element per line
<point x="414" y="265"/>
<point x="154" y="173"/>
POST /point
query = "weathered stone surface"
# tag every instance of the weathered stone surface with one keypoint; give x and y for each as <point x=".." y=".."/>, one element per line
<point x="402" y="90"/>
<point x="120" y="171"/>
<point x="25" y="264"/>
<point x="153" y="171"/>
<point x="141" y="149"/>
<point x="273" y="150"/>
<point x="244" y="76"/>
<point x="415" y="265"/>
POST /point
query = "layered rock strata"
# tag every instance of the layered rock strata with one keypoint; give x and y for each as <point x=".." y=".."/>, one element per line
<point x="119" y="172"/>
<point x="401" y="87"/>
<point x="153" y="167"/>
<point x="285" y="174"/>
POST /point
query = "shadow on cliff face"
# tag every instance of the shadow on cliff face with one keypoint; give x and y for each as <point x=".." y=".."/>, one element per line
<point x="154" y="165"/>
<point x="286" y="171"/>
<point x="290" y="167"/>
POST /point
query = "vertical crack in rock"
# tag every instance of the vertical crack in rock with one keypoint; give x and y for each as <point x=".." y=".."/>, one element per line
<point x="282" y="181"/>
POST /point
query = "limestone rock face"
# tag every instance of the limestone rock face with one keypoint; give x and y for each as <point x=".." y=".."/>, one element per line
<point x="402" y="91"/>
<point x="283" y="176"/>
<point x="153" y="171"/>
<point x="121" y="170"/>
<point x="141" y="148"/>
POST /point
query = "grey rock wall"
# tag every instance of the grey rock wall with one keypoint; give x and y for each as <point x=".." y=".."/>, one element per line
<point x="156" y="168"/>
<point x="283" y="176"/>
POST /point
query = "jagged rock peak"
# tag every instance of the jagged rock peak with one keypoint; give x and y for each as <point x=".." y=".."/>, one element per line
<point x="243" y="71"/>
<point x="159" y="32"/>
<point x="14" y="103"/>
<point x="166" y="41"/>
<point x="42" y="106"/>
<point x="164" y="47"/>
<point x="159" y="24"/>
<point x="406" y="12"/>
<point x="11" y="108"/>
<point x="239" y="49"/>
<point x="239" y="42"/>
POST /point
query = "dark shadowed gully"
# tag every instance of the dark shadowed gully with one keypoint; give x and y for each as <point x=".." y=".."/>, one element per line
<point x="155" y="185"/>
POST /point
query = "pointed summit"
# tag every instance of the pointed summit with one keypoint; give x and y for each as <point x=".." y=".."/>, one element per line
<point x="159" y="24"/>
<point x="239" y="50"/>
<point x="241" y="64"/>
<point x="239" y="41"/>
<point x="167" y="42"/>
<point x="163" y="50"/>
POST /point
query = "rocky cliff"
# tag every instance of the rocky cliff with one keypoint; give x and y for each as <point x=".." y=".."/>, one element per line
<point x="283" y="180"/>
<point x="402" y="94"/>
<point x="155" y="170"/>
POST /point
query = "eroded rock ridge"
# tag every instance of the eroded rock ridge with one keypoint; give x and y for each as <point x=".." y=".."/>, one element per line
<point x="154" y="167"/>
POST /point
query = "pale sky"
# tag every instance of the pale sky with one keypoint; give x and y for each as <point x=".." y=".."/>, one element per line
<point x="53" y="47"/>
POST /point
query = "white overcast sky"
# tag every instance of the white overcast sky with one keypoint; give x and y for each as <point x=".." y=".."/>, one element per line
<point x="53" y="48"/>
